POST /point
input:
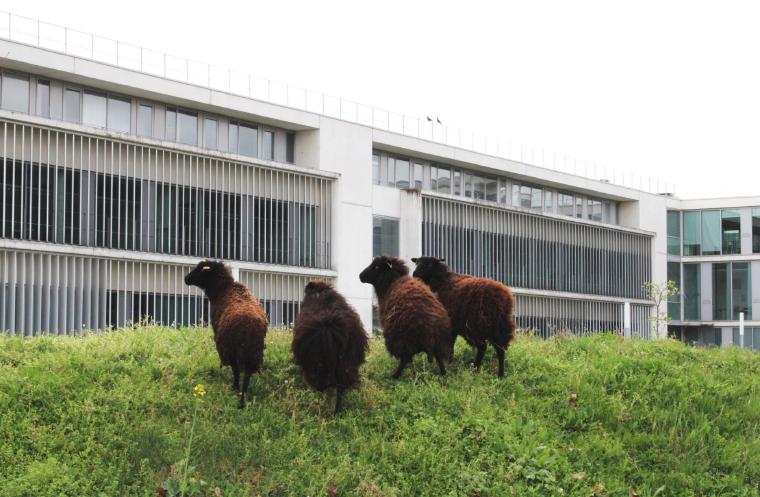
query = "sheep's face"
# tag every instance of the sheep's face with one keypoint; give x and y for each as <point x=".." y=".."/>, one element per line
<point x="207" y="273"/>
<point x="316" y="288"/>
<point x="383" y="268"/>
<point x="428" y="267"/>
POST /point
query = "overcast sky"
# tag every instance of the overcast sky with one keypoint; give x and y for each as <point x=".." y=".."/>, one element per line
<point x="663" y="88"/>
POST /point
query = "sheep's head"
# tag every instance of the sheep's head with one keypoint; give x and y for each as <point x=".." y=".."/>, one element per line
<point x="316" y="288"/>
<point x="383" y="269"/>
<point x="429" y="267"/>
<point x="208" y="274"/>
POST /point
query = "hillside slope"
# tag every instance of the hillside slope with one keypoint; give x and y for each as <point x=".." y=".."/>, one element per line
<point x="109" y="414"/>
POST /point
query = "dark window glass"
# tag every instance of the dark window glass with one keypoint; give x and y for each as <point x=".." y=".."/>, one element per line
<point x="731" y="232"/>
<point x="674" y="302"/>
<point x="118" y="201"/>
<point x="692" y="292"/>
<point x="43" y="98"/>
<point x="579" y="207"/>
<point x="145" y="120"/>
<point x="467" y="184"/>
<point x="290" y="148"/>
<point x="710" y="232"/>
<point x="385" y="237"/>
<point x="755" y="231"/>
<point x="721" y="291"/>
<point x="15" y="94"/>
<point x="741" y="286"/>
<point x="692" y="233"/>
<point x="491" y="186"/>
<point x="674" y="233"/>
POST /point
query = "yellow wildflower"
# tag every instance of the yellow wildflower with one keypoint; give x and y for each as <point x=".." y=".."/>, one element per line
<point x="199" y="391"/>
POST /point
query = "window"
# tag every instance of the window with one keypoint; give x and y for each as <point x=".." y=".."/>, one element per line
<point x="384" y="236"/>
<point x="209" y="133"/>
<point x="565" y="204"/>
<point x="692" y="233"/>
<point x="119" y="114"/>
<point x="290" y="148"/>
<point x="710" y="232"/>
<point x="375" y="169"/>
<point x="467" y="184"/>
<point x="674" y="302"/>
<point x="721" y="291"/>
<point x="492" y="187"/>
<point x="503" y="191"/>
<point x="187" y="128"/>
<point x="244" y="139"/>
<point x="457" y="182"/>
<point x="692" y="292"/>
<point x="94" y="109"/>
<point x="478" y="187"/>
<point x="15" y="94"/>
<point x="751" y="338"/>
<point x="741" y="290"/>
<point x="548" y="201"/>
<point x="579" y="207"/>
<point x="755" y="230"/>
<point x="594" y="209"/>
<point x="536" y="196"/>
<point x="171" y="125"/>
<point x="608" y="211"/>
<point x="418" y="175"/>
<point x="268" y="145"/>
<point x="145" y="120"/>
<point x="43" y="98"/>
<point x="444" y="180"/>
<point x="402" y="173"/>
<point x="674" y="233"/>
<point x="731" y="232"/>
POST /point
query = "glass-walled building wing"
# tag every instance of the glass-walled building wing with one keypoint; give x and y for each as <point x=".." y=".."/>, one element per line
<point x="69" y="188"/>
<point x="534" y="251"/>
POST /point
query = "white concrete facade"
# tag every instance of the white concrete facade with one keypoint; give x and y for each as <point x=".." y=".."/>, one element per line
<point x="328" y="187"/>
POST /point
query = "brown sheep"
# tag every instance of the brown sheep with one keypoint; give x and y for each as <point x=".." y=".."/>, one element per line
<point x="481" y="309"/>
<point x="237" y="318"/>
<point x="412" y="318"/>
<point x="329" y="341"/>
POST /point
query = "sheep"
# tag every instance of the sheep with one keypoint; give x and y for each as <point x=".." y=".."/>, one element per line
<point x="412" y="317"/>
<point x="329" y="341"/>
<point x="481" y="309"/>
<point x="237" y="318"/>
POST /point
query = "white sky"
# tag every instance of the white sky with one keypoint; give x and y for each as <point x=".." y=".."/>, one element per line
<point x="663" y="88"/>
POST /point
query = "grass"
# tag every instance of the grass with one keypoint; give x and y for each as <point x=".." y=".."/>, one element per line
<point x="110" y="414"/>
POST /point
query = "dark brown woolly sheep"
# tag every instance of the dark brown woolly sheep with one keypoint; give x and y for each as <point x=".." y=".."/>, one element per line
<point x="329" y="341"/>
<point x="237" y="318"/>
<point x="481" y="309"/>
<point x="412" y="318"/>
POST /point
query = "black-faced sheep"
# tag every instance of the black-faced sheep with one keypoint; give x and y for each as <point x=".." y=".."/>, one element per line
<point x="329" y="341"/>
<point x="481" y="309"/>
<point x="412" y="318"/>
<point x="237" y="318"/>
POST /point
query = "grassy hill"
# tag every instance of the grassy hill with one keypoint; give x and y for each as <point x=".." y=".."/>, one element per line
<point x="111" y="413"/>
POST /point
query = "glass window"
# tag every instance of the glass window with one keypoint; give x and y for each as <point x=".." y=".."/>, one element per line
<point x="674" y="233"/>
<point x="491" y="189"/>
<point x="444" y="180"/>
<point x="43" y="98"/>
<point x="503" y="191"/>
<point x="721" y="291"/>
<point x="692" y="233"/>
<point x="692" y="292"/>
<point x="674" y="302"/>
<point x="710" y="232"/>
<point x="171" y="125"/>
<point x="119" y="114"/>
<point x="72" y="100"/>
<point x="210" y="133"/>
<point x="594" y="210"/>
<point x="402" y="173"/>
<point x="385" y="236"/>
<point x="457" y="182"/>
<point x="418" y="175"/>
<point x="94" y="109"/>
<point x="731" y="231"/>
<point x="390" y="180"/>
<point x="755" y="231"/>
<point x="478" y="187"/>
<point x="565" y="204"/>
<point x="290" y="148"/>
<point x="187" y="128"/>
<point x="548" y="201"/>
<point x="375" y="169"/>
<point x="579" y="207"/>
<point x="607" y="212"/>
<point x="248" y="140"/>
<point x="145" y="120"/>
<point x="467" y="184"/>
<point x="536" y="199"/>
<point x="269" y="145"/>
<point x="741" y="286"/>
<point x="15" y="94"/>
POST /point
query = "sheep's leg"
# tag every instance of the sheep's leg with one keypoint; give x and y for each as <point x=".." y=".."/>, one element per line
<point x="244" y="390"/>
<point x="453" y="343"/>
<point x="441" y="367"/>
<point x="430" y="357"/>
<point x="479" y="356"/>
<point x="401" y="365"/>
<point x="235" y="379"/>
<point x="500" y="355"/>
<point x="339" y="399"/>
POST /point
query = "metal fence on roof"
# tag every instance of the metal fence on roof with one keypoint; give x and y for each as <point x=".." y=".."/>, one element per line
<point x="77" y="43"/>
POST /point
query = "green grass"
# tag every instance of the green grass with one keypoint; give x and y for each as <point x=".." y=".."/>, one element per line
<point x="108" y="414"/>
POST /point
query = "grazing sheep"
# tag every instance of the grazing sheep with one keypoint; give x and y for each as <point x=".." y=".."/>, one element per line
<point x="329" y="341"/>
<point x="481" y="309"/>
<point x="237" y="318"/>
<point x="412" y="318"/>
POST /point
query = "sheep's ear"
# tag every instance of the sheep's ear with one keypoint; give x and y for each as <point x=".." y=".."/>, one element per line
<point x="414" y="260"/>
<point x="206" y="268"/>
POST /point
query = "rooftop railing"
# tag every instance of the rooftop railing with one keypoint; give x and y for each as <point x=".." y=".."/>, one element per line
<point x="77" y="43"/>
